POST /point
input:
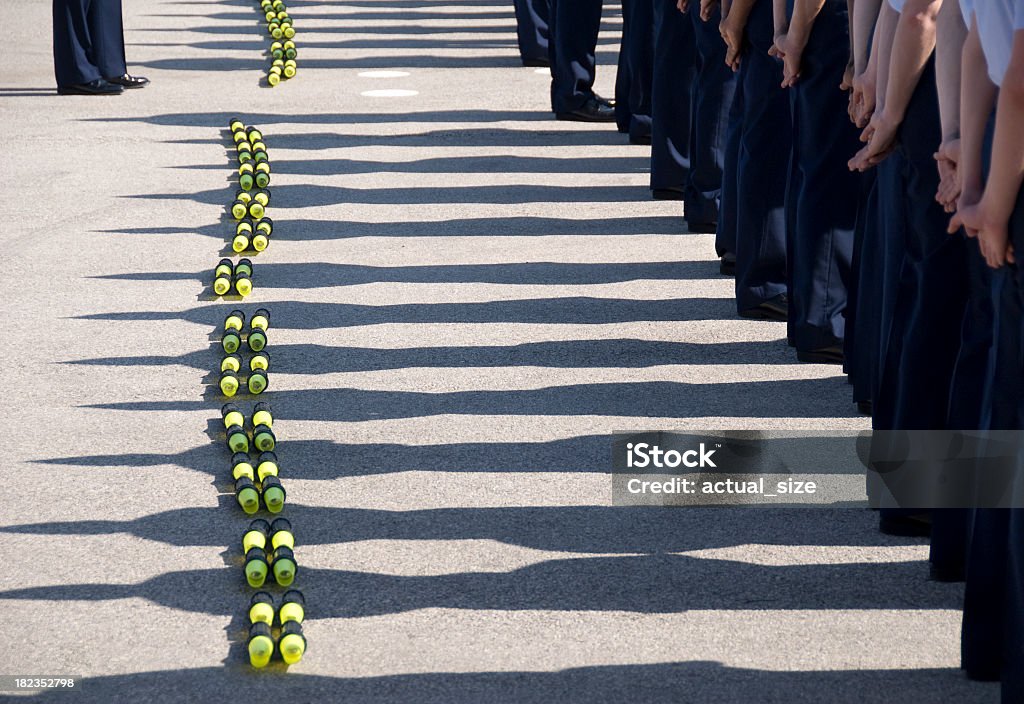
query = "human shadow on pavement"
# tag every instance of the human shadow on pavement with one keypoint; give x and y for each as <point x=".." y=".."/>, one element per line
<point x="219" y="120"/>
<point x="559" y="354"/>
<point x="485" y="164"/>
<point x="600" y="530"/>
<point x="645" y="584"/>
<point x="303" y="230"/>
<point x="313" y="274"/>
<point x="568" y="310"/>
<point x="311" y="195"/>
<point x="791" y="399"/>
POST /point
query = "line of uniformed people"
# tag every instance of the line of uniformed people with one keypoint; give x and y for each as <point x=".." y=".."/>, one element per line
<point x="861" y="163"/>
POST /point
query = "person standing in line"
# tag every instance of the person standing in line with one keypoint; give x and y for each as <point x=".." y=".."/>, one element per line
<point x="88" y="48"/>
<point x="822" y="193"/>
<point x="573" y="29"/>
<point x="671" y="98"/>
<point x="532" y="31"/>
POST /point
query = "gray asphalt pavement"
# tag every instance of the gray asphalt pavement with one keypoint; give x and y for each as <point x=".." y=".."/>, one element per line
<point x="467" y="298"/>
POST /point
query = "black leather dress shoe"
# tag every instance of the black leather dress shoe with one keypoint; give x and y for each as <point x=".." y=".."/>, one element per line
<point x="916" y="526"/>
<point x="776" y="308"/>
<point x="128" y="81"/>
<point x="667" y="193"/>
<point x="97" y="87"/>
<point x="536" y="63"/>
<point x="701" y="228"/>
<point x="590" y="111"/>
<point x="604" y="101"/>
<point x="824" y="355"/>
<point x="727" y="266"/>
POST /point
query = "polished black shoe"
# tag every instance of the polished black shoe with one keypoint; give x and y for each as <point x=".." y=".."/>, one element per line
<point x="701" y="228"/>
<point x="536" y="63"/>
<point x="97" y="87"/>
<point x="919" y="526"/>
<point x="776" y="308"/>
<point x="947" y="573"/>
<point x="604" y="101"/>
<point x="590" y="111"/>
<point x="822" y="355"/>
<point x="865" y="408"/>
<point x="128" y="81"/>
<point x="727" y="266"/>
<point x="667" y="193"/>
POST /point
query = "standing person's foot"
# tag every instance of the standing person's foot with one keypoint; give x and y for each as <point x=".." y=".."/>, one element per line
<point x="776" y="308"/>
<point x="604" y="101"/>
<point x="670" y="193"/>
<point x="727" y="266"/>
<point x="640" y="139"/>
<point x="590" y="111"/>
<point x="129" y="81"/>
<point x="97" y="87"/>
<point x="701" y="228"/>
<point x="823" y="355"/>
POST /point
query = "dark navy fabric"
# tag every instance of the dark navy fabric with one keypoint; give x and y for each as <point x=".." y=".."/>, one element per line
<point x="532" y="28"/>
<point x="715" y="84"/>
<point x="765" y="142"/>
<point x="823" y="193"/>
<point x="573" y="29"/>
<point x="88" y="41"/>
<point x="671" y="95"/>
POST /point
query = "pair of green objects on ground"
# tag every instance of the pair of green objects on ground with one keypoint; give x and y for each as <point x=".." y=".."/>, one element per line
<point x="291" y="643"/>
<point x="256" y="340"/>
<point x="229" y="275"/>
<point x="259" y="481"/>
<point x="269" y="548"/>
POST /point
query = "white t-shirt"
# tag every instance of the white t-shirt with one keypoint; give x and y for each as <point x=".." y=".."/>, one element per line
<point x="966" y="9"/>
<point x="997" y="21"/>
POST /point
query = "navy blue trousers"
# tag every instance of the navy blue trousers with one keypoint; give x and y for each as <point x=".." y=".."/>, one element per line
<point x="729" y="199"/>
<point x="532" y="28"/>
<point x="636" y="58"/>
<point x="573" y="29"/>
<point x="88" y="41"/>
<point x="764" y="148"/>
<point x="712" y="98"/>
<point x="822" y="194"/>
<point x="917" y="376"/>
<point x="992" y="637"/>
<point x="671" y="96"/>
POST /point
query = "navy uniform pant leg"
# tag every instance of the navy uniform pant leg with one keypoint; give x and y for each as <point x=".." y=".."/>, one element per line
<point x="715" y="85"/>
<point x="107" y="31"/>
<point x="73" y="43"/>
<point x="918" y="373"/>
<point x="726" y="231"/>
<point x="1012" y="367"/>
<point x="866" y="263"/>
<point x="671" y="96"/>
<point x="623" y="75"/>
<point x="573" y="43"/>
<point x="532" y="28"/>
<point x="825" y="204"/>
<point x="764" y="148"/>
<point x="641" y="66"/>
